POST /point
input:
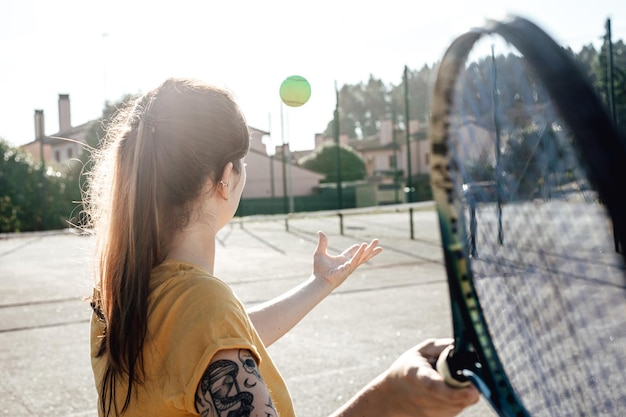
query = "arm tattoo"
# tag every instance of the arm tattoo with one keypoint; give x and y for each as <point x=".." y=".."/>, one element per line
<point x="221" y="394"/>
<point x="249" y="364"/>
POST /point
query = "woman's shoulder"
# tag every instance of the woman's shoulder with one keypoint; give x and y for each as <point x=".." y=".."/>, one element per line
<point x="177" y="280"/>
<point x="185" y="274"/>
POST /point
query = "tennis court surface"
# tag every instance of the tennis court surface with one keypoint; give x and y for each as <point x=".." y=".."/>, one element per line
<point x="396" y="300"/>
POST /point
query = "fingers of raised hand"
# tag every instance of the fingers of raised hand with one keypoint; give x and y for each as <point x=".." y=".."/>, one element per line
<point x="352" y="251"/>
<point x="362" y="253"/>
<point x="369" y="250"/>
<point x="373" y="249"/>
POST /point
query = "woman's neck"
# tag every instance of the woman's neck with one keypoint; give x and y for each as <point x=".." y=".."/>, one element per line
<point x="195" y="244"/>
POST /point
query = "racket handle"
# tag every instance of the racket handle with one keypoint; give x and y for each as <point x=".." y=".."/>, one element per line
<point x="443" y="367"/>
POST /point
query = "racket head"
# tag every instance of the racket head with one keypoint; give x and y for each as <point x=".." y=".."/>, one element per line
<point x="561" y="136"/>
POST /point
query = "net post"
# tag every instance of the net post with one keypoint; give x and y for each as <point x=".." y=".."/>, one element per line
<point x="411" y="223"/>
<point x="340" y="214"/>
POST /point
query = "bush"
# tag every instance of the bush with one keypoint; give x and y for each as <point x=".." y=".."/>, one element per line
<point x="30" y="199"/>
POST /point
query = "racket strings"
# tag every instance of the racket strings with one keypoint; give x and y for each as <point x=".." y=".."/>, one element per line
<point x="541" y="323"/>
<point x="539" y="241"/>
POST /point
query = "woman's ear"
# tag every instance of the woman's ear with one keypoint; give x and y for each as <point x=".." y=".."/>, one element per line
<point x="222" y="186"/>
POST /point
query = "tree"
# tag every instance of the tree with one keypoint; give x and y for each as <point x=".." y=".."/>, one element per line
<point x="619" y="79"/>
<point x="364" y="105"/>
<point x="324" y="161"/>
<point x="419" y="95"/>
<point x="588" y="59"/>
<point x="536" y="160"/>
<point x="20" y="184"/>
<point x="31" y="200"/>
<point x="361" y="107"/>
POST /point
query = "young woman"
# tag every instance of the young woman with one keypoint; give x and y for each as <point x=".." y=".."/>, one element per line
<point x="170" y="339"/>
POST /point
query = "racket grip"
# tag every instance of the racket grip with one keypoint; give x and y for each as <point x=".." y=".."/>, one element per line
<point x="443" y="367"/>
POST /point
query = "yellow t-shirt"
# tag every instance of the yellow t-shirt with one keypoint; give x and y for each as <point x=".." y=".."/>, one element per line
<point x="191" y="316"/>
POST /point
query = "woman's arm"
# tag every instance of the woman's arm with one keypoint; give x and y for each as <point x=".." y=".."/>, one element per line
<point x="276" y="317"/>
<point x="232" y="381"/>
<point x="411" y="387"/>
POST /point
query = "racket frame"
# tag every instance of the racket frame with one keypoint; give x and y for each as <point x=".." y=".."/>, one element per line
<point x="474" y="356"/>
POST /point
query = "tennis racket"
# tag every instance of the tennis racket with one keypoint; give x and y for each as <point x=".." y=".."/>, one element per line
<point x="529" y="178"/>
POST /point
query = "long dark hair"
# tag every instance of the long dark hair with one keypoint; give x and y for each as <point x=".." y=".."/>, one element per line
<point x="159" y="153"/>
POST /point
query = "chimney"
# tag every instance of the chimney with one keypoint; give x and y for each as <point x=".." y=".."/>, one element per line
<point x="386" y="132"/>
<point x="65" y="122"/>
<point x="40" y="131"/>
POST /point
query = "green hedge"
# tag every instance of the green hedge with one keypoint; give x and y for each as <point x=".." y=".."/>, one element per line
<point x="30" y="200"/>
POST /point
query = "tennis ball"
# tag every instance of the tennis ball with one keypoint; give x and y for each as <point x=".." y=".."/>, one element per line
<point x="295" y="91"/>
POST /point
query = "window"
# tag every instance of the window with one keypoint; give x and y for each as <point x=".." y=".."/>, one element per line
<point x="57" y="156"/>
<point x="70" y="153"/>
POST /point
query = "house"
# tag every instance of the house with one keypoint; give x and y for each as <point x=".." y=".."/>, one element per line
<point x="265" y="177"/>
<point x="266" y="174"/>
<point x="386" y="151"/>
<point x="65" y="145"/>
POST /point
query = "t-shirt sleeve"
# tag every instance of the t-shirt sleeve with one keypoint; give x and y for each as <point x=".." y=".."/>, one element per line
<point x="193" y="318"/>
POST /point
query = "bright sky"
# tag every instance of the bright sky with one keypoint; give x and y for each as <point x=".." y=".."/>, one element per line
<point x="97" y="50"/>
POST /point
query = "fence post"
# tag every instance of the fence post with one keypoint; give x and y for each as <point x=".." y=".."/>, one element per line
<point x="340" y="223"/>
<point x="411" y="222"/>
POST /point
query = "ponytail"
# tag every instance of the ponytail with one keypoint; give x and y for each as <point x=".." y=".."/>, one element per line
<point x="132" y="250"/>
